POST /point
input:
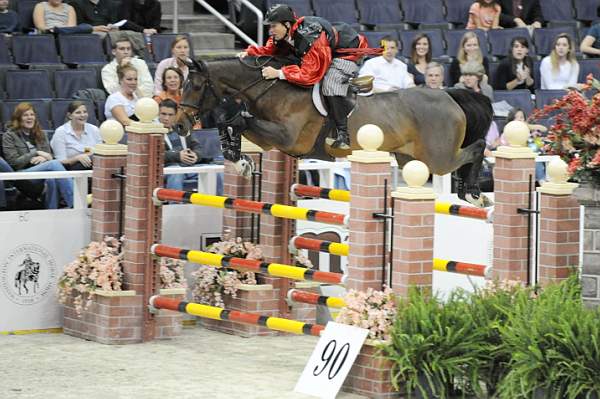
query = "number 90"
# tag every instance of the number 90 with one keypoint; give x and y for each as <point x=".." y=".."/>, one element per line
<point x="330" y="358"/>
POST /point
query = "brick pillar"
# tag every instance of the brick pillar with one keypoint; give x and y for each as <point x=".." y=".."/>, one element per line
<point x="414" y="216"/>
<point x="513" y="167"/>
<point x="106" y="191"/>
<point x="369" y="169"/>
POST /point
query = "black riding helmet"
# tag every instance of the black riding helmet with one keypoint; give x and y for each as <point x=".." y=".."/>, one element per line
<point x="279" y="13"/>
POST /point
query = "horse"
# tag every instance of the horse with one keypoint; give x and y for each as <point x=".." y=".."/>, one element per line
<point x="445" y="129"/>
<point x="30" y="273"/>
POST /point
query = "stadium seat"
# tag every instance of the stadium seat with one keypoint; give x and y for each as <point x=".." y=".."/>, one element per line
<point x="28" y="84"/>
<point x="545" y="97"/>
<point x="587" y="66"/>
<point x="374" y="37"/>
<point x="42" y="109"/>
<point x="537" y="77"/>
<point x="300" y="7"/>
<point x="544" y="38"/>
<point x="586" y="10"/>
<point x="493" y="67"/>
<point x="457" y="12"/>
<point x="161" y="46"/>
<point x="500" y="39"/>
<point x="67" y="82"/>
<point x="437" y="42"/>
<point x="516" y="98"/>
<point x="380" y="13"/>
<point x="423" y="11"/>
<point x="336" y="10"/>
<point x="58" y="109"/>
<point x="100" y="111"/>
<point x="81" y="49"/>
<point x="557" y="10"/>
<point x="25" y="10"/>
<point x="5" y="58"/>
<point x="454" y="36"/>
<point x="34" y="49"/>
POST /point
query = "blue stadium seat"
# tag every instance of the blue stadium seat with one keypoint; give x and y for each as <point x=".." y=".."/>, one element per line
<point x="300" y="7"/>
<point x="58" y="109"/>
<point x="500" y="40"/>
<point x="588" y="66"/>
<point x="67" y="82"/>
<point x="25" y="10"/>
<point x="537" y="76"/>
<point x="5" y="58"/>
<point x="557" y="10"/>
<point x="454" y="36"/>
<point x="586" y="10"/>
<point x="543" y="38"/>
<point x="28" y="84"/>
<point x="437" y="42"/>
<point x="374" y="37"/>
<point x="545" y="97"/>
<point x="336" y="10"/>
<point x="81" y="49"/>
<point x="34" y="49"/>
<point x="516" y="98"/>
<point x="42" y="109"/>
<point x="423" y="11"/>
<point x="457" y="12"/>
<point x="161" y="46"/>
<point x="493" y="67"/>
<point x="381" y="12"/>
<point x="100" y="111"/>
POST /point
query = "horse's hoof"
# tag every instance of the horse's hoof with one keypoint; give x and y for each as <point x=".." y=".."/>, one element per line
<point x="482" y="201"/>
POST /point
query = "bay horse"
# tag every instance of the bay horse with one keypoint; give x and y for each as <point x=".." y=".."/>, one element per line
<point x="445" y="129"/>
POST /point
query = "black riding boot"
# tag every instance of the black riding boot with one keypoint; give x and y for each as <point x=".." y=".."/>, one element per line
<point x="339" y="113"/>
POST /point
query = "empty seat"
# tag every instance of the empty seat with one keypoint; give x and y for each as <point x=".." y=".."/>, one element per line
<point x="25" y="10"/>
<point x="28" y="84"/>
<point x="493" y="67"/>
<point x="5" y="58"/>
<point x="381" y="12"/>
<point x="423" y="11"/>
<point x="161" y="46"/>
<point x="586" y="10"/>
<point x="588" y="66"/>
<point x="336" y="10"/>
<point x="516" y="98"/>
<point x="34" y="49"/>
<point x="42" y="109"/>
<point x="59" y="108"/>
<point x="544" y="38"/>
<point x="454" y="36"/>
<point x="81" y="49"/>
<point x="300" y="7"/>
<point x="435" y="35"/>
<point x="500" y="39"/>
<point x="374" y="37"/>
<point x="557" y="10"/>
<point x="545" y="97"/>
<point x="457" y="12"/>
<point x="67" y="82"/>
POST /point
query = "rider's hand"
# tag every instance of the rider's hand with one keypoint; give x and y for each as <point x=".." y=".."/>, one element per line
<point x="242" y="55"/>
<point x="270" y="73"/>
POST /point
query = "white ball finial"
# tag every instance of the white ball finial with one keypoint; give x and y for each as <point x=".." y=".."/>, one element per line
<point x="146" y="109"/>
<point x="516" y="133"/>
<point x="557" y="171"/>
<point x="111" y="131"/>
<point x="370" y="137"/>
<point x="415" y="173"/>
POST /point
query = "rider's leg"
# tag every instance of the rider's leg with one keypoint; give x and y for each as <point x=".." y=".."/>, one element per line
<point x="339" y="112"/>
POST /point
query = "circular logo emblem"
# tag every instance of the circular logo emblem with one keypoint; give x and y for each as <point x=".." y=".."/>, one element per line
<point x="28" y="274"/>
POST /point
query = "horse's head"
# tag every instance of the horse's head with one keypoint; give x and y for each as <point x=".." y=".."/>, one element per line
<point x="199" y="95"/>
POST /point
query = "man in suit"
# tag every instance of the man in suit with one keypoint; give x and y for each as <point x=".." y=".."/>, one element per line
<point x="521" y="14"/>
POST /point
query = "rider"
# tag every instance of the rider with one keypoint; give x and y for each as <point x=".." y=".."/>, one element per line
<point x="313" y="41"/>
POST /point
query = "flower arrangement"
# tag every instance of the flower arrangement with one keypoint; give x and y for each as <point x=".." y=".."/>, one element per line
<point x="373" y="310"/>
<point x="99" y="266"/>
<point x="575" y="134"/>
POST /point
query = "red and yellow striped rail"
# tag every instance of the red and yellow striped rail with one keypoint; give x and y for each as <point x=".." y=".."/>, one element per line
<point x="469" y="269"/>
<point x="334" y="248"/>
<point x="242" y="205"/>
<point x="472" y="212"/>
<point x="271" y="269"/>
<point x="304" y="191"/>
<point x="216" y="313"/>
<point x="315" y="299"/>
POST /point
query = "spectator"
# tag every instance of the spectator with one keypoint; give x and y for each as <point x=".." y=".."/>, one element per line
<point x="560" y="69"/>
<point x="4" y="168"/>
<point x="26" y="149"/>
<point x="172" y="83"/>
<point x="180" y="52"/>
<point x="472" y="74"/>
<point x="141" y="15"/>
<point x="469" y="50"/>
<point x="484" y="14"/>
<point x="9" y="20"/>
<point x="74" y="141"/>
<point x="535" y="140"/>
<point x="515" y="71"/>
<point x="121" y="104"/>
<point x="434" y="76"/>
<point x="420" y="56"/>
<point x="100" y="14"/>
<point x="389" y="72"/>
<point x="57" y="17"/>
<point x="590" y="44"/>
<point x="179" y="151"/>
<point x="123" y="55"/>
<point x="521" y="14"/>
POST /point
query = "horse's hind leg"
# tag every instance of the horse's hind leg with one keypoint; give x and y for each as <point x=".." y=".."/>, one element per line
<point x="469" y="166"/>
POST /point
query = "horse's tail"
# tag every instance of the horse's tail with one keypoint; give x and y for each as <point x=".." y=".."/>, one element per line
<point x="478" y="111"/>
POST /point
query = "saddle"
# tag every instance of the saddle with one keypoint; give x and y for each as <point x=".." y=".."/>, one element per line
<point x="361" y="85"/>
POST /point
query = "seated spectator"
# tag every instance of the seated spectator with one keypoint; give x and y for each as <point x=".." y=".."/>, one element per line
<point x="560" y="69"/>
<point x="73" y="142"/>
<point x="389" y="72"/>
<point x="4" y="168"/>
<point x="472" y="74"/>
<point x="57" y="17"/>
<point x="100" y="14"/>
<point x="469" y="50"/>
<point x="590" y="44"/>
<point x="180" y="52"/>
<point x="26" y="149"/>
<point x="122" y="50"/>
<point x="9" y="20"/>
<point x="141" y="15"/>
<point x="516" y="70"/>
<point x="484" y="14"/>
<point x="434" y="76"/>
<point x="172" y="84"/>
<point x="121" y="104"/>
<point x="521" y="14"/>
<point x="420" y="56"/>
<point x="179" y="151"/>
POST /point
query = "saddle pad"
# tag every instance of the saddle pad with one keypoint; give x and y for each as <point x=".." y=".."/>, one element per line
<point x="318" y="99"/>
